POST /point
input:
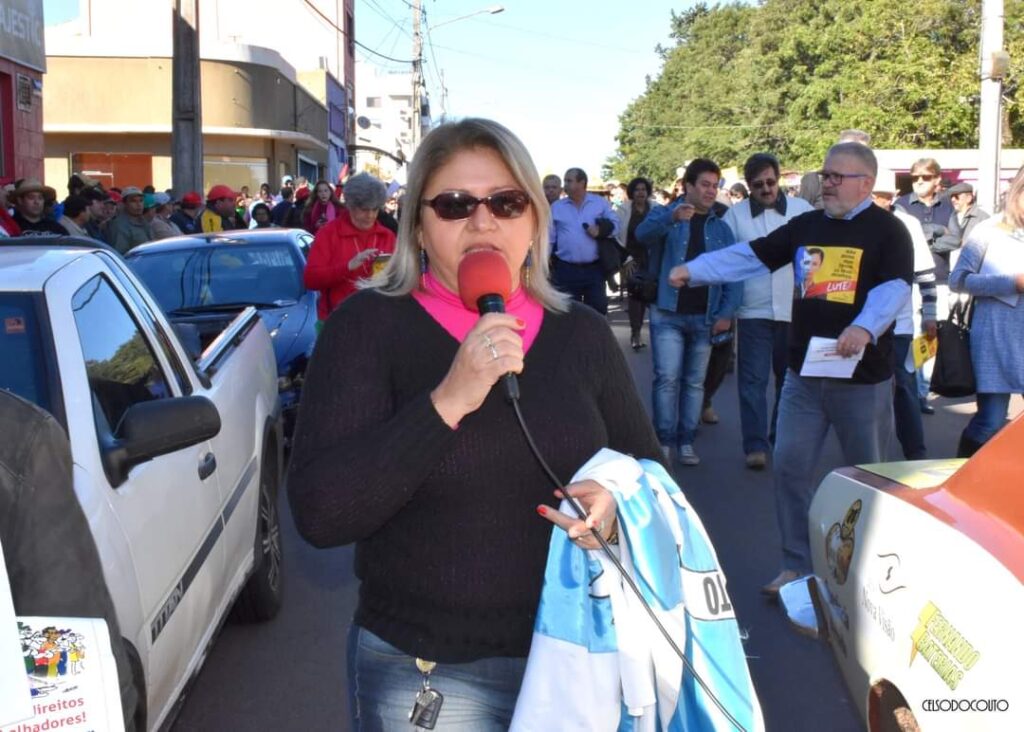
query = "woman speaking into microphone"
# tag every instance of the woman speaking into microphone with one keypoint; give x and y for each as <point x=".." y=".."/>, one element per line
<point x="405" y="447"/>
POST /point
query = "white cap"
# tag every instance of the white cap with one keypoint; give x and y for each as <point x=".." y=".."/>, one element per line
<point x="885" y="181"/>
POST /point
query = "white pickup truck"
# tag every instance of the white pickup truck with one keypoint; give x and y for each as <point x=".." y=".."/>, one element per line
<point x="177" y="456"/>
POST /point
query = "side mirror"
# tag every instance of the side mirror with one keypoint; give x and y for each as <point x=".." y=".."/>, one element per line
<point x="154" y="428"/>
<point x="801" y="602"/>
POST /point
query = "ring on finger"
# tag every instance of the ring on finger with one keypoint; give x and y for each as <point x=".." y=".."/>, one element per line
<point x="487" y="341"/>
<point x="494" y="351"/>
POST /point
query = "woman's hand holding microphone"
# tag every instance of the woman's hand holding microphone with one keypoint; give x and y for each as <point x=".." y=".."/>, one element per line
<point x="492" y="349"/>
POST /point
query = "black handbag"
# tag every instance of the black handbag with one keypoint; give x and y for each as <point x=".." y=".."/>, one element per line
<point x="642" y="286"/>
<point x="953" y="375"/>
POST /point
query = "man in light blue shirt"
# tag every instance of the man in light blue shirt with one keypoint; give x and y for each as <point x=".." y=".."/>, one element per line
<point x="577" y="221"/>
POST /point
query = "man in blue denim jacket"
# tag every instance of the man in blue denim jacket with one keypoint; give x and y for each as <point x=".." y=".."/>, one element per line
<point x="683" y="322"/>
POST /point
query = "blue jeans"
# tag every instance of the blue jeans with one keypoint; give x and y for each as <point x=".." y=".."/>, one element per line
<point x="383" y="683"/>
<point x="680" y="349"/>
<point x="990" y="417"/>
<point x="905" y="405"/>
<point x="861" y="415"/>
<point x="582" y="282"/>
<point x="762" y="347"/>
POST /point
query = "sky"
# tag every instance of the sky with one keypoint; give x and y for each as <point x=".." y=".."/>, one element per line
<point x="558" y="73"/>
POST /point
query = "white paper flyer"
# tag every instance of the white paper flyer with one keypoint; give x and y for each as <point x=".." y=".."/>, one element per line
<point x="72" y="676"/>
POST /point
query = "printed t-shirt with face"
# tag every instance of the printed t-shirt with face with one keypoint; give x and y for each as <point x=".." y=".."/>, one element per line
<point x="836" y="263"/>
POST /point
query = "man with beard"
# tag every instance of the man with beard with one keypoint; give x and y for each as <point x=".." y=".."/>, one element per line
<point x="766" y="309"/>
<point x="867" y="268"/>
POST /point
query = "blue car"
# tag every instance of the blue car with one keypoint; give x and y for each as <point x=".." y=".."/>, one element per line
<point x="203" y="281"/>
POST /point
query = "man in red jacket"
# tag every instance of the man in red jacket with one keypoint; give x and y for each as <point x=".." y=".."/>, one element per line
<point x="345" y="249"/>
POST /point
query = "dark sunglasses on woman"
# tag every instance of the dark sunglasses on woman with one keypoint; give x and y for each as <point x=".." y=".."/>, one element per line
<point x="456" y="205"/>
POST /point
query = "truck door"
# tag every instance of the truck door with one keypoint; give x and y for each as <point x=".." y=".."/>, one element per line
<point x="169" y="507"/>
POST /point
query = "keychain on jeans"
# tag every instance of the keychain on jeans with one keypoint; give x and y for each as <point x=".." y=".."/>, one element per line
<point x="428" y="701"/>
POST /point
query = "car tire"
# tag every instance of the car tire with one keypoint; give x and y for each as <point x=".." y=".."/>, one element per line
<point x="260" y="599"/>
<point x="889" y="710"/>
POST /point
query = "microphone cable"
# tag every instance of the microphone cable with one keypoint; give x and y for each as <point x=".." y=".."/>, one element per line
<point x="606" y="548"/>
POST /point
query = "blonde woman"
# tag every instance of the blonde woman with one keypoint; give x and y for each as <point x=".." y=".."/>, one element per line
<point x="991" y="268"/>
<point x="404" y="447"/>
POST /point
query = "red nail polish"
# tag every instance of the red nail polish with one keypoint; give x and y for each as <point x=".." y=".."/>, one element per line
<point x="542" y="510"/>
<point x="520" y="322"/>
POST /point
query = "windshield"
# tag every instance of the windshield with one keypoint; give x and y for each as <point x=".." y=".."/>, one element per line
<point x="238" y="274"/>
<point x="22" y="360"/>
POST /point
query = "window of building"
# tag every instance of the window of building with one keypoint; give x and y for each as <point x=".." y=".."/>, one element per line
<point x="121" y="170"/>
<point x="235" y="171"/>
<point x="373" y="101"/>
<point x="6" y="129"/>
<point x="350" y="29"/>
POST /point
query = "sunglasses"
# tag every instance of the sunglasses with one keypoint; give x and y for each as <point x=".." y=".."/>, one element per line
<point x="925" y="178"/>
<point x="759" y="184"/>
<point x="455" y="205"/>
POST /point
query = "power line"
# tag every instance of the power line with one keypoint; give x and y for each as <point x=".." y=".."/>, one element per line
<point x="378" y="53"/>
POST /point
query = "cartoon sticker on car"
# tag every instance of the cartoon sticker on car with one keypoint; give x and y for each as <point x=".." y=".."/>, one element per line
<point x="840" y="543"/>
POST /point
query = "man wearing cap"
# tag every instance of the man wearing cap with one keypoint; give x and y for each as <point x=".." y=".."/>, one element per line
<point x="905" y="404"/>
<point x="29" y="204"/>
<point x="130" y="228"/>
<point x="162" y="225"/>
<point x="187" y="218"/>
<point x="219" y="214"/>
<point x="966" y="215"/>
<point x="294" y="218"/>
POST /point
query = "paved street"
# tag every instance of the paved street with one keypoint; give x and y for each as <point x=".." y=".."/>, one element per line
<point x="290" y="674"/>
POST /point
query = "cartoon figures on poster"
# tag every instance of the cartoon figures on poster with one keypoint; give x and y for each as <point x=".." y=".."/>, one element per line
<point x="51" y="654"/>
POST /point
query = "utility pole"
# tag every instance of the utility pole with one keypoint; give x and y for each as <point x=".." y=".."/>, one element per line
<point x="417" y="75"/>
<point x="186" y="100"/>
<point x="990" y="125"/>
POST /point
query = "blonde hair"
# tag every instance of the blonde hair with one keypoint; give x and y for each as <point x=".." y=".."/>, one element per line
<point x="402" y="273"/>
<point x="1013" y="210"/>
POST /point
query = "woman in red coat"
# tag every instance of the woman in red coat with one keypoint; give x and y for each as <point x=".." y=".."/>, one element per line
<point x="344" y="250"/>
<point x="322" y="208"/>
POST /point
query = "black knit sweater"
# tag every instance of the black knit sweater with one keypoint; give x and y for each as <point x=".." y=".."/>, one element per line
<point x="449" y="547"/>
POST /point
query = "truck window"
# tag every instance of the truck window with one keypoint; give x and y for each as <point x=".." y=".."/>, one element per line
<point x="22" y="359"/>
<point x="121" y="366"/>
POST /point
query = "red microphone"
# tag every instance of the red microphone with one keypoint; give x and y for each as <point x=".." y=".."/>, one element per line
<point x="485" y="283"/>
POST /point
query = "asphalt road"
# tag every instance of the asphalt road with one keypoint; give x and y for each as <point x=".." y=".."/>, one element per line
<point x="289" y="674"/>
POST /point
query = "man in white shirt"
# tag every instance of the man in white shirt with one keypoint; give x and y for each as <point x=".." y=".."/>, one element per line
<point x="764" y="314"/>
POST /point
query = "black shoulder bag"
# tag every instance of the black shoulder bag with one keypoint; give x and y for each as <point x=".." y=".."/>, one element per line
<point x="953" y="375"/>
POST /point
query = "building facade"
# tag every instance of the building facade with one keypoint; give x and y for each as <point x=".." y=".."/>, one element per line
<point x="108" y="111"/>
<point x="384" y="120"/>
<point x="22" y="65"/>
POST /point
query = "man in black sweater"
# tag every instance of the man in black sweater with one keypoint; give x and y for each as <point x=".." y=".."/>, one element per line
<point x="864" y="261"/>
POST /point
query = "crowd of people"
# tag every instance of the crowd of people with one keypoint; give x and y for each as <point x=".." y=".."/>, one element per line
<point x="125" y="217"/>
<point x="773" y="269"/>
<point x="402" y="444"/>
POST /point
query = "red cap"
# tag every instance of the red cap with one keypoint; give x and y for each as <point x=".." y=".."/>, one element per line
<point x="115" y="196"/>
<point x="221" y="191"/>
<point x="483" y="273"/>
<point x="302" y="194"/>
<point x="192" y="200"/>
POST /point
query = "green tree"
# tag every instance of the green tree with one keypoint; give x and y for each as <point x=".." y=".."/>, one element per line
<point x="787" y="75"/>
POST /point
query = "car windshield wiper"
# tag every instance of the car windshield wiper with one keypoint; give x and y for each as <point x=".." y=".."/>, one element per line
<point x="214" y="307"/>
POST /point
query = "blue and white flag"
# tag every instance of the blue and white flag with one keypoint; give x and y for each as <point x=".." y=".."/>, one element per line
<point x="597" y="661"/>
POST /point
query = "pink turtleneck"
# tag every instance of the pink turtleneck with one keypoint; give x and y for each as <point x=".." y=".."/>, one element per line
<point x="447" y="309"/>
